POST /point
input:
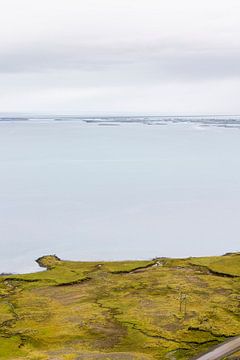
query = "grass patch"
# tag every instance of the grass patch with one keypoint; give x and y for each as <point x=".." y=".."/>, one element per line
<point x="160" y="309"/>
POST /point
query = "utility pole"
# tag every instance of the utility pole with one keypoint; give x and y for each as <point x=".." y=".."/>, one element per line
<point x="183" y="303"/>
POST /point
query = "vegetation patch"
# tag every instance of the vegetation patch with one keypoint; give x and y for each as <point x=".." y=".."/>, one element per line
<point x="129" y="310"/>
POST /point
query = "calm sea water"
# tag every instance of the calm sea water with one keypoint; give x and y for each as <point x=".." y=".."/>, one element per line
<point x="117" y="190"/>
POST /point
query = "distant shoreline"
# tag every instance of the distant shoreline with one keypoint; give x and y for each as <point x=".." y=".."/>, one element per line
<point x="42" y="261"/>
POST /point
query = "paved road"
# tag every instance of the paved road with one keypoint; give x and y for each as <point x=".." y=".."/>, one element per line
<point x="223" y="350"/>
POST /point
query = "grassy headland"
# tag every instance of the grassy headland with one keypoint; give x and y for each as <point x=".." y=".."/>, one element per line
<point x="128" y="310"/>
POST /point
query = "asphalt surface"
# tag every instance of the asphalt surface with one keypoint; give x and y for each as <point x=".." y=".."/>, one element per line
<point x="228" y="348"/>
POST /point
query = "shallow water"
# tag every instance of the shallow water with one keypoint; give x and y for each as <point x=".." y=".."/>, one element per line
<point x="87" y="192"/>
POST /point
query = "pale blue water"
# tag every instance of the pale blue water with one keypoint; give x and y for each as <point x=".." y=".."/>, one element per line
<point x="87" y="191"/>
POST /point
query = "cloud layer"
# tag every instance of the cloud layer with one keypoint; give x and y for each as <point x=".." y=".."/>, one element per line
<point x="89" y="57"/>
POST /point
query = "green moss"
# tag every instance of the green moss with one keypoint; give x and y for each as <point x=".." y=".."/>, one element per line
<point x="229" y="265"/>
<point x="126" y="266"/>
<point x="9" y="348"/>
<point x="161" y="309"/>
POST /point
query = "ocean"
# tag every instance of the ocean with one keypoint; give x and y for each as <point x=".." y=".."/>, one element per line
<point x="112" y="188"/>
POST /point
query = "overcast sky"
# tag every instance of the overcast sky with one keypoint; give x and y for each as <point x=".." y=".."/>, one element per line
<point x="120" y="56"/>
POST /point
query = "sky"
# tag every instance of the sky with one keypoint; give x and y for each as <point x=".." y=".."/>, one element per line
<point x="96" y="57"/>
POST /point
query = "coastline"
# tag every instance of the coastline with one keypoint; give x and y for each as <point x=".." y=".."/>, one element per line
<point x="124" y="309"/>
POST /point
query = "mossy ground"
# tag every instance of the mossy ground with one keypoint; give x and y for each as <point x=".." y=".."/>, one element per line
<point x="132" y="310"/>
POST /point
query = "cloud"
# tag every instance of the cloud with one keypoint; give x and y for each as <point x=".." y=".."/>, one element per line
<point x="133" y="63"/>
<point x="95" y="47"/>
